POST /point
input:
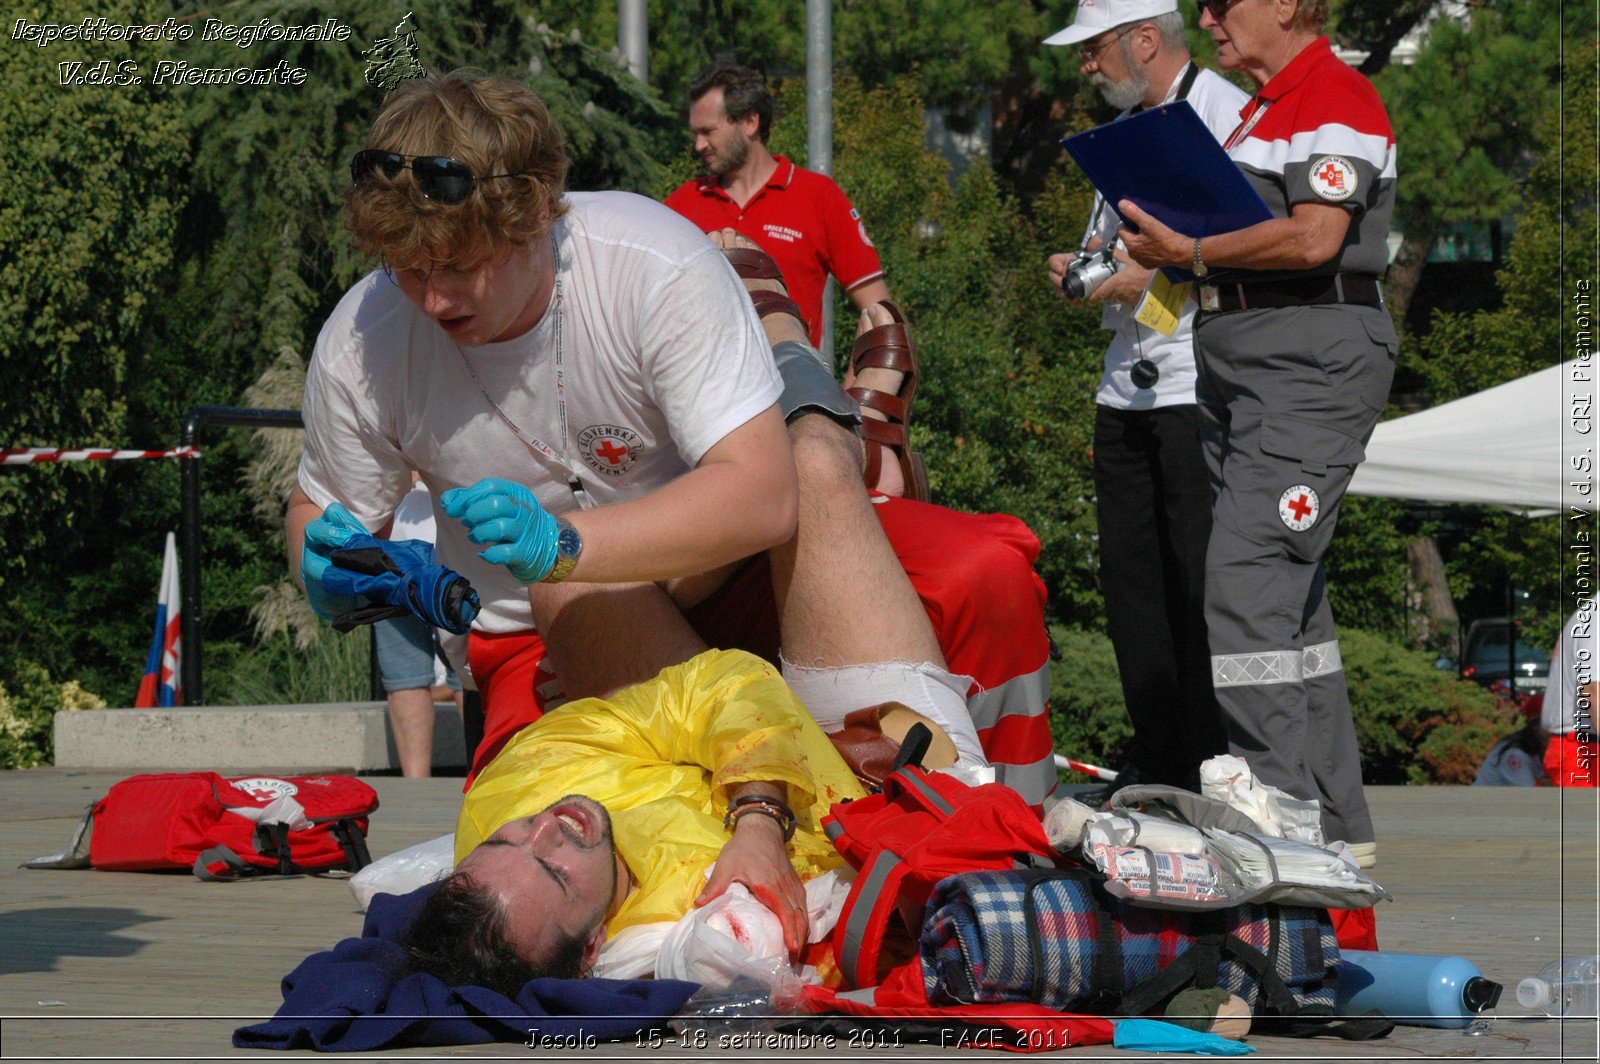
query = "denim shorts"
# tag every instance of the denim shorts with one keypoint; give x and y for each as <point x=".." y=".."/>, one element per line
<point x="407" y="649"/>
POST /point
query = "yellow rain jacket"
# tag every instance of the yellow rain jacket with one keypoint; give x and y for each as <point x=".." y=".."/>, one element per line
<point x="661" y="756"/>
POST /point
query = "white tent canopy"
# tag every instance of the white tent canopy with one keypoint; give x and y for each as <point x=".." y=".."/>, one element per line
<point x="1509" y="446"/>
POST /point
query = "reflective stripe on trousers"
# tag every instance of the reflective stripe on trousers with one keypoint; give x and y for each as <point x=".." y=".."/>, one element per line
<point x="1275" y="666"/>
<point x="1014" y="726"/>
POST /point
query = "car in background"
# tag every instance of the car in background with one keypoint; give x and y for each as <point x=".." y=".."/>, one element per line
<point x="1486" y="657"/>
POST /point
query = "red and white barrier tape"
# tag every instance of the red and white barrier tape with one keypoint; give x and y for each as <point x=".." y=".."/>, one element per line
<point x="1106" y="774"/>
<point x="32" y="455"/>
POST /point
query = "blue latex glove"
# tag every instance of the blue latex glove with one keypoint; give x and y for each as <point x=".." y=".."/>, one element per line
<point x="398" y="577"/>
<point x="1155" y="1036"/>
<point x="504" y="514"/>
<point x="326" y="534"/>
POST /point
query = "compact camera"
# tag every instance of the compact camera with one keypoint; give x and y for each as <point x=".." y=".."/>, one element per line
<point x="1088" y="273"/>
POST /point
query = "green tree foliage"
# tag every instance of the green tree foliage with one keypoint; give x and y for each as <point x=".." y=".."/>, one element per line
<point x="1376" y="26"/>
<point x="1416" y="723"/>
<point x="1463" y="137"/>
<point x="94" y="192"/>
<point x="1088" y="717"/>
<point x="27" y="714"/>
<point x="956" y="45"/>
<point x="164" y="244"/>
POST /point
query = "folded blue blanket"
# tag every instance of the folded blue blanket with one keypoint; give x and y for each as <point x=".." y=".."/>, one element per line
<point x="356" y="997"/>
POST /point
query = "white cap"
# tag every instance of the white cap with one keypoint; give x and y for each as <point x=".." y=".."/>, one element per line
<point x="1094" y="17"/>
<point x="1534" y="993"/>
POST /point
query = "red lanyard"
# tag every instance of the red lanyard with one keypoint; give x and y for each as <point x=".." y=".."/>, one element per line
<point x="1248" y="124"/>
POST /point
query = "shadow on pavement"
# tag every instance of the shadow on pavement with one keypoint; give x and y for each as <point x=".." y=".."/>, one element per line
<point x="36" y="938"/>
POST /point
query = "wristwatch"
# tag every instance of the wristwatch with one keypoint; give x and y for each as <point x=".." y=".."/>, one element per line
<point x="568" y="546"/>
<point x="1200" y="267"/>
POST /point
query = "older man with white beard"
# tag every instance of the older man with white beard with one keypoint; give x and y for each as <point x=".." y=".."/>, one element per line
<point x="1151" y="486"/>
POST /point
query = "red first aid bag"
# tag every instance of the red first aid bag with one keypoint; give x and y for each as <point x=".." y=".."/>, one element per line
<point x="922" y="828"/>
<point x="223" y="828"/>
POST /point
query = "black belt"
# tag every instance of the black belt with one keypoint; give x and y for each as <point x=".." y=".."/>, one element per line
<point x="1292" y="292"/>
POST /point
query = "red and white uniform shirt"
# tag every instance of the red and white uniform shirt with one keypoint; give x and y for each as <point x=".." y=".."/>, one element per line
<point x="1318" y="133"/>
<point x="799" y="217"/>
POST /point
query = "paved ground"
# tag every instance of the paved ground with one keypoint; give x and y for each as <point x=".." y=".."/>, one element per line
<point x="99" y="964"/>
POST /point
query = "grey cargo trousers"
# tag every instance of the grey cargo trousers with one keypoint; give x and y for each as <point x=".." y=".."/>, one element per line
<point x="1288" y="397"/>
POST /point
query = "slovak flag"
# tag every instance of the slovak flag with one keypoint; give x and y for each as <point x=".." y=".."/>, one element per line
<point x="160" y="684"/>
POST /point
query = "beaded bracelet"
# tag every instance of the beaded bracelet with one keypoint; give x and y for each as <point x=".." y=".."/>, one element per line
<point x="776" y="808"/>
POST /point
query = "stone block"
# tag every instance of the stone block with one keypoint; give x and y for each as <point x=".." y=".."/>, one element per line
<point x="317" y="737"/>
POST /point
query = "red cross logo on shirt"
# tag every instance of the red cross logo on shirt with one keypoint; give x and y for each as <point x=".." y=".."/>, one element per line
<point x="1332" y="176"/>
<point x="1301" y="506"/>
<point x="611" y="452"/>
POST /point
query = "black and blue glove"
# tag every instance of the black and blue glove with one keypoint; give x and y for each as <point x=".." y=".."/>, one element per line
<point x="396" y="577"/>
<point x="353" y="578"/>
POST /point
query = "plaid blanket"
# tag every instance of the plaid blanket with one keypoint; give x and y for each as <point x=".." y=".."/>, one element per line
<point x="1057" y="939"/>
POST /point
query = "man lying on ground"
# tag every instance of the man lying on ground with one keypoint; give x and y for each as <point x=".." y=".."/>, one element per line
<point x="606" y="814"/>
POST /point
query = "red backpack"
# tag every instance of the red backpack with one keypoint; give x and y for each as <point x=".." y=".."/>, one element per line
<point x="922" y="828"/>
<point x="223" y="828"/>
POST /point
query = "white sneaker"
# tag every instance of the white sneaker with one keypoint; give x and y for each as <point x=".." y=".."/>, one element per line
<point x="1365" y="853"/>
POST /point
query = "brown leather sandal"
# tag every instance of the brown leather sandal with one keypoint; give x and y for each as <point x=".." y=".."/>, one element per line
<point x="753" y="264"/>
<point x="870" y="741"/>
<point x="890" y="347"/>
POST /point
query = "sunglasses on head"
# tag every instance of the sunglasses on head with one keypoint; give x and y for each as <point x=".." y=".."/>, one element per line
<point x="1218" y="8"/>
<point x="439" y="177"/>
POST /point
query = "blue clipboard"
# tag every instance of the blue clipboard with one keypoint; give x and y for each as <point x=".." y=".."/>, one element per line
<point x="1168" y="162"/>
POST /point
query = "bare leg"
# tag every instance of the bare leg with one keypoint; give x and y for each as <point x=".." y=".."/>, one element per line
<point x="602" y="637"/>
<point x="843" y="598"/>
<point x="411" y="717"/>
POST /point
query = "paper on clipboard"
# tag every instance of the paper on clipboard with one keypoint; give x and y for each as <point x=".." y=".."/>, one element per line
<point x="1168" y="162"/>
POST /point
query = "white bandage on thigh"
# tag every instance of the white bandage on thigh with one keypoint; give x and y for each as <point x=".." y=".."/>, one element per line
<point x="833" y="693"/>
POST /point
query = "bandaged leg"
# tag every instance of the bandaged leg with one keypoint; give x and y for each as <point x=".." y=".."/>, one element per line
<point x="941" y="696"/>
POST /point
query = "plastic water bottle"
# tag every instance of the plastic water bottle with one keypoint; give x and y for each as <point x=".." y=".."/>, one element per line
<point x="1412" y="989"/>
<point x="1565" y="989"/>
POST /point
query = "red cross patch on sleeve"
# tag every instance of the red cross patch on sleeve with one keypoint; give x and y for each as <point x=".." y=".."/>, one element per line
<point x="1333" y="178"/>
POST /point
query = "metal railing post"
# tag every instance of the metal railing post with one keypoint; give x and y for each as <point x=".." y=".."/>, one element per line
<point x="633" y="36"/>
<point x="190" y="624"/>
<point x="819" y="124"/>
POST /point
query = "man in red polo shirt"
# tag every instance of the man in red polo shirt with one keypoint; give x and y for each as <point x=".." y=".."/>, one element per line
<point x="799" y="217"/>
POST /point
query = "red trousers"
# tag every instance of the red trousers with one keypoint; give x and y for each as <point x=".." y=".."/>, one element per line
<point x="974" y="574"/>
<point x="1570" y="763"/>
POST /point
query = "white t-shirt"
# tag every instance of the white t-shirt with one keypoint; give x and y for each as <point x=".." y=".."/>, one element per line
<point x="413" y="518"/>
<point x="1218" y="103"/>
<point x="662" y="356"/>
<point x="1573" y="665"/>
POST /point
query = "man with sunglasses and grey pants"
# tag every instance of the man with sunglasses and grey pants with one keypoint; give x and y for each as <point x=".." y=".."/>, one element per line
<point x="585" y="387"/>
